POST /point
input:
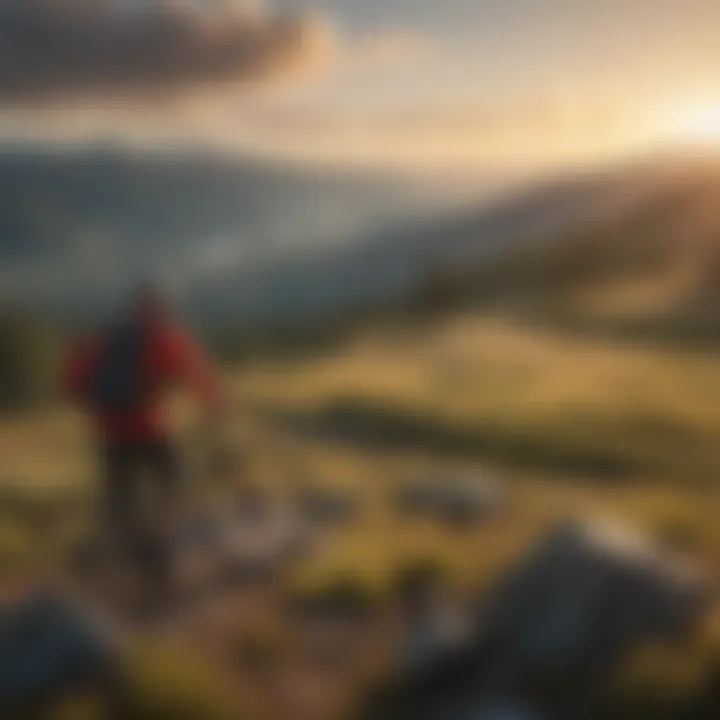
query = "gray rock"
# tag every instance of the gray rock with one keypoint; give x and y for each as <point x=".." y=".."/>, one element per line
<point x="502" y="711"/>
<point x="327" y="506"/>
<point x="50" y="645"/>
<point x="230" y="544"/>
<point x="551" y="634"/>
<point x="588" y="594"/>
<point x="456" y="499"/>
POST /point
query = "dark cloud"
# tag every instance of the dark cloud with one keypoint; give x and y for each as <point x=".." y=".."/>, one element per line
<point x="62" y="49"/>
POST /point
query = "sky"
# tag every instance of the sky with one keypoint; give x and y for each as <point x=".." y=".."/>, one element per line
<point x="410" y="83"/>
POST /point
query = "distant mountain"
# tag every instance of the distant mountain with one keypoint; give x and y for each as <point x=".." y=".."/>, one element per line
<point x="392" y="264"/>
<point x="645" y="264"/>
<point x="76" y="225"/>
<point x="262" y="244"/>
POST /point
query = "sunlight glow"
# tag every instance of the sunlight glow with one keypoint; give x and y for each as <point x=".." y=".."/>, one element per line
<point x="700" y="124"/>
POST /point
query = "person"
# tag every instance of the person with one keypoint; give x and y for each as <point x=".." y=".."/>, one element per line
<point x="121" y="376"/>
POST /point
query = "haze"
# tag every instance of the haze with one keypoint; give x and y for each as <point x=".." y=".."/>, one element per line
<point x="462" y="84"/>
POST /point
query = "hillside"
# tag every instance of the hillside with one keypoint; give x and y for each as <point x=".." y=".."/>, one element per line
<point x="77" y="223"/>
<point x="262" y="243"/>
<point x="632" y="248"/>
<point x="387" y="264"/>
<point x="646" y="268"/>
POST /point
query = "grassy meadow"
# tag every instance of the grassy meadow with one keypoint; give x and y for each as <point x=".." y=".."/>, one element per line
<point x="567" y="423"/>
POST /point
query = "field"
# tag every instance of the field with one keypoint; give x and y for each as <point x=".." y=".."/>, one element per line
<point x="566" y="424"/>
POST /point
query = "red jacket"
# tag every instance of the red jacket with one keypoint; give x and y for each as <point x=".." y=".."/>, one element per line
<point x="170" y="357"/>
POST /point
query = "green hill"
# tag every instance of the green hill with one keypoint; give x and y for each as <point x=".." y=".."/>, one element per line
<point x="646" y="267"/>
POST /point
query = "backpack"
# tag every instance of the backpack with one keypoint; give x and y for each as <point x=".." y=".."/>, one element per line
<point x="117" y="383"/>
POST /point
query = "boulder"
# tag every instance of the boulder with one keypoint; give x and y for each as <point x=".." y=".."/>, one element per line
<point x="454" y="499"/>
<point x="50" y="645"/>
<point x="552" y="633"/>
<point x="590" y="592"/>
<point x="323" y="506"/>
<point x="504" y="712"/>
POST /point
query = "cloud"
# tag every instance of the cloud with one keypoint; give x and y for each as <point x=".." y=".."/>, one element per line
<point x="394" y="48"/>
<point x="78" y="49"/>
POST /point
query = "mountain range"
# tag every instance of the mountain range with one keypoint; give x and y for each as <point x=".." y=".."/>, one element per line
<point x="256" y="243"/>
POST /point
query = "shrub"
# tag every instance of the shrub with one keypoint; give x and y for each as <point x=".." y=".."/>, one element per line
<point x="15" y="547"/>
<point x="28" y="356"/>
<point x="344" y="593"/>
<point x="166" y="682"/>
<point x="416" y="576"/>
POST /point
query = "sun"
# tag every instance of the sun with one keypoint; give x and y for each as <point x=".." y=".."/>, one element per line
<point x="699" y="124"/>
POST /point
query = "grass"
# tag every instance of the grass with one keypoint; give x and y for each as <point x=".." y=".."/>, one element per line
<point x="520" y="396"/>
<point x="569" y="424"/>
<point x="169" y="681"/>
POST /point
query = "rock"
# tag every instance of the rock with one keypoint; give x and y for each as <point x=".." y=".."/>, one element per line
<point x="590" y="592"/>
<point x="505" y="712"/>
<point x="550" y="636"/>
<point x="234" y="545"/>
<point x="49" y="645"/>
<point x="327" y="506"/>
<point x="433" y="620"/>
<point x="455" y="499"/>
<point x="433" y="630"/>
